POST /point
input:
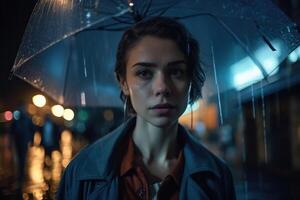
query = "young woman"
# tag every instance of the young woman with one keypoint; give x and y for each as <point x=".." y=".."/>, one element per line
<point x="151" y="156"/>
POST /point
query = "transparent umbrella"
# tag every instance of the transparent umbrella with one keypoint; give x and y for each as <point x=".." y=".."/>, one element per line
<point x="68" y="49"/>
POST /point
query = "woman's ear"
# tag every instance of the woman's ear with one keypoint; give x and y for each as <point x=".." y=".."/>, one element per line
<point x="124" y="87"/>
<point x="123" y="84"/>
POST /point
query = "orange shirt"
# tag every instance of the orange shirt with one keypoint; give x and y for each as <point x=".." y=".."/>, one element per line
<point x="135" y="179"/>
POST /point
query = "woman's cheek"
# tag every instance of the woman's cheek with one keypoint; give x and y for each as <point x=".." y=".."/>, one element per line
<point x="137" y="91"/>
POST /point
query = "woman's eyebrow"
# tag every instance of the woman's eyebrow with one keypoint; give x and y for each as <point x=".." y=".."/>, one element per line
<point x="149" y="64"/>
<point x="176" y="62"/>
<point x="144" y="64"/>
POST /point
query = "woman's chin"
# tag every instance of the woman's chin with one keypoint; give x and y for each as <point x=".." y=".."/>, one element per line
<point x="162" y="121"/>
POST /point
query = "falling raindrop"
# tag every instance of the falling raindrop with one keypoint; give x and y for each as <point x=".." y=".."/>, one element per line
<point x="82" y="98"/>
<point x="264" y="121"/>
<point x="85" y="73"/>
<point x="253" y="102"/>
<point x="84" y="64"/>
<point x="217" y="85"/>
<point x="244" y="173"/>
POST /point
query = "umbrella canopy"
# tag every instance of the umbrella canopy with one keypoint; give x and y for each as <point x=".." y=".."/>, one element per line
<point x="68" y="49"/>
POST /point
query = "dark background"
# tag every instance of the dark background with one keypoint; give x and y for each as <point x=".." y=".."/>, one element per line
<point x="14" y="17"/>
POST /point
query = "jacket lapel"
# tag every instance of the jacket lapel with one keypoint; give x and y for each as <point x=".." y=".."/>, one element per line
<point x="103" y="158"/>
<point x="98" y="172"/>
<point x="103" y="190"/>
<point x="201" y="176"/>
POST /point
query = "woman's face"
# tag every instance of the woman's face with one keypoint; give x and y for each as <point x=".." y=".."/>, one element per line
<point x="157" y="80"/>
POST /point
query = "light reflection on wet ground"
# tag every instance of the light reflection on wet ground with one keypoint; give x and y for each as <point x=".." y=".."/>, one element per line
<point x="43" y="172"/>
<point x="44" y="167"/>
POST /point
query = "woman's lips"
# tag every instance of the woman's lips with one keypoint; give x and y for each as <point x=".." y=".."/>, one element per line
<point x="163" y="108"/>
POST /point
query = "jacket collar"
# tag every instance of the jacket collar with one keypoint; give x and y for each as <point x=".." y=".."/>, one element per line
<point x="197" y="158"/>
<point x="101" y="159"/>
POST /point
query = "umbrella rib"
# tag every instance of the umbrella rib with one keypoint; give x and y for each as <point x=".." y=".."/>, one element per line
<point x="107" y="13"/>
<point x="115" y="2"/>
<point x="163" y="10"/>
<point x="66" y="75"/>
<point x="257" y="62"/>
<point x="114" y="29"/>
<point x="147" y="8"/>
<point x="121" y="21"/>
<point x="106" y="28"/>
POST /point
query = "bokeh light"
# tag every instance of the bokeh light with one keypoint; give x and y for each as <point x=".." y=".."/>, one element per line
<point x="108" y="115"/>
<point x="56" y="170"/>
<point x="68" y="114"/>
<point x="81" y="127"/>
<point x="57" y="110"/>
<point x="83" y="115"/>
<point x="39" y="100"/>
<point x="66" y="147"/>
<point x="37" y="120"/>
<point x="293" y="57"/>
<point x="37" y="138"/>
<point x="66" y="137"/>
<point x="8" y="115"/>
<point x="31" y="109"/>
<point x="17" y="115"/>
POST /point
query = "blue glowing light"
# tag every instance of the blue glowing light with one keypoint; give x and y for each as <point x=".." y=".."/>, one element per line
<point x="17" y="114"/>
<point x="246" y="72"/>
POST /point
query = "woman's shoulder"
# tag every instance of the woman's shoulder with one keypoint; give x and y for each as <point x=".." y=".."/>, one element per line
<point x="76" y="165"/>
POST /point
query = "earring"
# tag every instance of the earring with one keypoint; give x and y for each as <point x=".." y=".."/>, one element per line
<point x="190" y="103"/>
<point x="125" y="109"/>
<point x="191" y="107"/>
<point x="189" y="93"/>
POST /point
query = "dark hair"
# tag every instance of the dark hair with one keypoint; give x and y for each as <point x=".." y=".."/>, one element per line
<point x="166" y="28"/>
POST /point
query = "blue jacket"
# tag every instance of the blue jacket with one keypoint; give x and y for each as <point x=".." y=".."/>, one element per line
<point x="93" y="173"/>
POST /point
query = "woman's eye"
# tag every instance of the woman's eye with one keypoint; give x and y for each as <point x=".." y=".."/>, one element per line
<point x="178" y="73"/>
<point x="144" y="74"/>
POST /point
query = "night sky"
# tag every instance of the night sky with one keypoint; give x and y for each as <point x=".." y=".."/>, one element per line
<point x="14" y="17"/>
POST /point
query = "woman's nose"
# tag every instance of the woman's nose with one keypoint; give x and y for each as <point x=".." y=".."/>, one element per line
<point x="161" y="85"/>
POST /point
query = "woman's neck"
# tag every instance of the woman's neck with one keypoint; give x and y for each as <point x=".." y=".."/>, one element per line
<point x="156" y="144"/>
